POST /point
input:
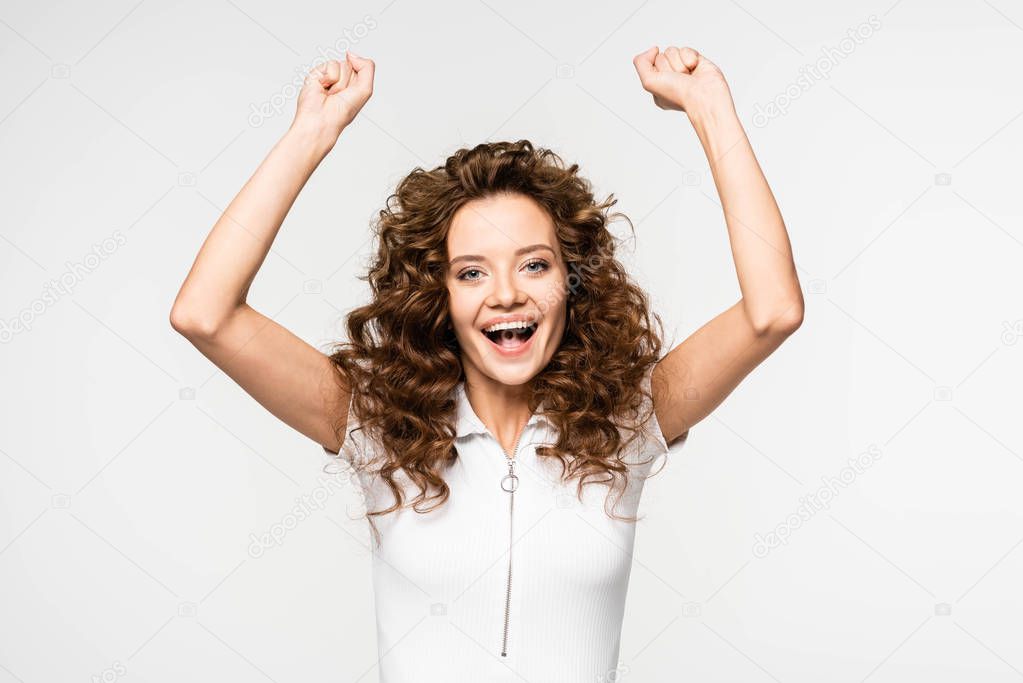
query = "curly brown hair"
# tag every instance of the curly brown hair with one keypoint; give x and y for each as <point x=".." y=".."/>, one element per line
<point x="402" y="361"/>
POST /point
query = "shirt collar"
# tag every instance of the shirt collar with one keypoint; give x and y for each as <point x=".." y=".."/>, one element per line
<point x="467" y="422"/>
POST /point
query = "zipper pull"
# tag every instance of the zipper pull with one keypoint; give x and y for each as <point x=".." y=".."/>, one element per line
<point x="510" y="481"/>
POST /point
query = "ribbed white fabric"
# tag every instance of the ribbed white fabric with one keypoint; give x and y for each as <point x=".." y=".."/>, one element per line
<point x="440" y="578"/>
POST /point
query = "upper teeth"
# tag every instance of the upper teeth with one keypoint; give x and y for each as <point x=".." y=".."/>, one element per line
<point x="514" y="325"/>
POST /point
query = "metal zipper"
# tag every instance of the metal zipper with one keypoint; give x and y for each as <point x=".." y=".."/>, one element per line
<point x="509" y="483"/>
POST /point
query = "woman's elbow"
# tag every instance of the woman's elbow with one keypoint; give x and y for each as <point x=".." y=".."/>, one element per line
<point x="186" y="323"/>
<point x="789" y="320"/>
<point x="783" y="321"/>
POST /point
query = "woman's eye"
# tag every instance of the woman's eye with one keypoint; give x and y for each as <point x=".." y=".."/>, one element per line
<point x="533" y="267"/>
<point x="543" y="266"/>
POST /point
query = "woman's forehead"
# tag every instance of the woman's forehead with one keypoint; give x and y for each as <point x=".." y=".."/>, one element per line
<point x="499" y="225"/>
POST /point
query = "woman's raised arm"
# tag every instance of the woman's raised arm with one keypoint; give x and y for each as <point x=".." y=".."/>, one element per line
<point x="696" y="376"/>
<point x="290" y="378"/>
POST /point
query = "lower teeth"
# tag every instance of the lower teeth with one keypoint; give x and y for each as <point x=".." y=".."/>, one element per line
<point x="510" y="338"/>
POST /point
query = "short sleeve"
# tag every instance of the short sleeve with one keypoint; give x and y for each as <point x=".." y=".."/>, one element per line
<point x="650" y="443"/>
<point x="353" y="449"/>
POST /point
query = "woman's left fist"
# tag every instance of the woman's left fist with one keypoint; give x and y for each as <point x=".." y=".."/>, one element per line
<point x="682" y="79"/>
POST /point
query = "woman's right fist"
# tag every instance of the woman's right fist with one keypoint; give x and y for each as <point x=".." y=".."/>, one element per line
<point x="333" y="94"/>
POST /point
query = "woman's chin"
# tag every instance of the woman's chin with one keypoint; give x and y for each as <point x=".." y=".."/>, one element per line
<point x="512" y="366"/>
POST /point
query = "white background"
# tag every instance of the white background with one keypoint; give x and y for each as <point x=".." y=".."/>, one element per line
<point x="132" y="471"/>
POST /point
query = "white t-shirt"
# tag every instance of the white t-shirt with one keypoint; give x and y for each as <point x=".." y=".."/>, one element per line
<point x="441" y="578"/>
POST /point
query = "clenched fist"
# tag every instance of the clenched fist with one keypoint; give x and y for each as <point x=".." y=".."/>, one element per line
<point x="333" y="94"/>
<point x="682" y="79"/>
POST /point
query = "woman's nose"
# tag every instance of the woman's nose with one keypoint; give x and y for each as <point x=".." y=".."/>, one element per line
<point x="506" y="291"/>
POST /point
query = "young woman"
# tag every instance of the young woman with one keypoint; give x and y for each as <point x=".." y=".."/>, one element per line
<point x="505" y="361"/>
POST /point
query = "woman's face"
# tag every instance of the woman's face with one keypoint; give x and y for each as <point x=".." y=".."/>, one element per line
<point x="504" y="262"/>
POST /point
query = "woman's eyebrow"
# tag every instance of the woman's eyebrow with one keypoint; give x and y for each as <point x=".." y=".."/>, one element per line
<point x="518" y="252"/>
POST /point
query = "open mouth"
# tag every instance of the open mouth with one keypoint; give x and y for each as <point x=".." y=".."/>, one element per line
<point x="510" y="335"/>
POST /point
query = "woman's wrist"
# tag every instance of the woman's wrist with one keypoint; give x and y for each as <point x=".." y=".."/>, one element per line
<point x="718" y="129"/>
<point x="312" y="138"/>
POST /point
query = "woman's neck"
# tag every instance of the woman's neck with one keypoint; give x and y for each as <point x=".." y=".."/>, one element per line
<point x="502" y="408"/>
